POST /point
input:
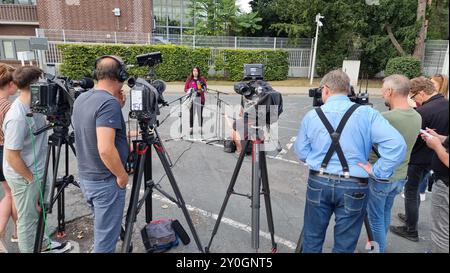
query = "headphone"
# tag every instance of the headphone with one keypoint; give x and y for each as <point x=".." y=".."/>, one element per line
<point x="121" y="75"/>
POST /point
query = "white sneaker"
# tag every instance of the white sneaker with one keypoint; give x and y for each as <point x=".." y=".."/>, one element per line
<point x="3" y="248"/>
<point x="403" y="195"/>
<point x="422" y="197"/>
<point x="57" y="247"/>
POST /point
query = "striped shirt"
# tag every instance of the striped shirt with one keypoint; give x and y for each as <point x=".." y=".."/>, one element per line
<point x="5" y="104"/>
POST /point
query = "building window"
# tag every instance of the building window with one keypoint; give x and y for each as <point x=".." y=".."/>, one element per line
<point x="8" y="50"/>
<point x="18" y="2"/>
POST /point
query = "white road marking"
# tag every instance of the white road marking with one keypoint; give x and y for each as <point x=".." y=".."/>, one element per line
<point x="228" y="221"/>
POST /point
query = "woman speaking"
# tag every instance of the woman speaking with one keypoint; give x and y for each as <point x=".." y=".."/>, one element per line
<point x="196" y="84"/>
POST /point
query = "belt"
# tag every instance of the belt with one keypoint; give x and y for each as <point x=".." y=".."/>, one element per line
<point x="340" y="177"/>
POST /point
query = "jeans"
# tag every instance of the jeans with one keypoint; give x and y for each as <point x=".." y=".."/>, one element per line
<point x="424" y="184"/>
<point x="416" y="174"/>
<point x="381" y="200"/>
<point x="347" y="200"/>
<point x="439" y="218"/>
<point x="107" y="201"/>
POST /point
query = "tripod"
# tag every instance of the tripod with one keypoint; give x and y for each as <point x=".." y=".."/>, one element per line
<point x="259" y="177"/>
<point x="151" y="138"/>
<point x="57" y="139"/>
<point x="218" y="132"/>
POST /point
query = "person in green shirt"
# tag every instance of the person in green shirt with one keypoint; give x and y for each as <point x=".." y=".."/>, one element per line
<point x="407" y="121"/>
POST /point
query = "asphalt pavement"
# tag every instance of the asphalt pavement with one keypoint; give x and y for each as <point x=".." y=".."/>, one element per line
<point x="203" y="173"/>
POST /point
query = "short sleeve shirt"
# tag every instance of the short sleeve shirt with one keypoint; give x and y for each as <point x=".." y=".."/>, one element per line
<point x="93" y="109"/>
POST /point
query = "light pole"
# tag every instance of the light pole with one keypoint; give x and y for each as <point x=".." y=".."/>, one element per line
<point x="319" y="24"/>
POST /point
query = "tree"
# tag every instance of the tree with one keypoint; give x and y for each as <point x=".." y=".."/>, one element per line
<point x="266" y="9"/>
<point x="221" y="18"/>
<point x="372" y="33"/>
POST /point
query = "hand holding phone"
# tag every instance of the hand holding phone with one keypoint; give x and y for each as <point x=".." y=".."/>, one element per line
<point x="426" y="134"/>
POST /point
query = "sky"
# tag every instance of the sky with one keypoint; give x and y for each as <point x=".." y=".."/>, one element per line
<point x="243" y="4"/>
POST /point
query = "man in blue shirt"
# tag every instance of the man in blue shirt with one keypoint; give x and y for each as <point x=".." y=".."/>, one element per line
<point x="102" y="150"/>
<point x="340" y="186"/>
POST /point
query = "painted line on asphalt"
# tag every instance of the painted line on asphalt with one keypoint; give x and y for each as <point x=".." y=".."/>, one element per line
<point x="228" y="221"/>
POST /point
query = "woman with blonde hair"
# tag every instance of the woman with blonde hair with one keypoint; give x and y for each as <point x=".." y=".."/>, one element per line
<point x="440" y="82"/>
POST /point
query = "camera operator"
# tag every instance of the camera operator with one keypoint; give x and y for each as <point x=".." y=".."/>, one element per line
<point x="25" y="161"/>
<point x="439" y="200"/>
<point x="336" y="183"/>
<point x="102" y="150"/>
<point x="407" y="121"/>
<point x="434" y="109"/>
<point x="196" y="83"/>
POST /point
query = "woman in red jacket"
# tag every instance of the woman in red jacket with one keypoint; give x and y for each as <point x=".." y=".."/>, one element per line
<point x="196" y="84"/>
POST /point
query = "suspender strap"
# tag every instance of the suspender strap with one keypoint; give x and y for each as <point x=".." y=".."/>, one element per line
<point x="335" y="136"/>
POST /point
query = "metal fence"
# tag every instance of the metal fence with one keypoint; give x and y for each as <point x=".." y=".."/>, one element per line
<point x="434" y="60"/>
<point x="299" y="49"/>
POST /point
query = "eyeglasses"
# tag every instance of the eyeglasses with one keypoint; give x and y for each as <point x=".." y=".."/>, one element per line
<point x="413" y="96"/>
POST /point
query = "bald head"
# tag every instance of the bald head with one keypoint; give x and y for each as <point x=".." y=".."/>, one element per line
<point x="107" y="68"/>
<point x="399" y="84"/>
<point x="337" y="81"/>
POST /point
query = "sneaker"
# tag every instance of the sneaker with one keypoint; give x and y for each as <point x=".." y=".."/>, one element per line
<point x="14" y="239"/>
<point x="57" y="247"/>
<point x="422" y="197"/>
<point x="3" y="248"/>
<point x="402" y="217"/>
<point x="403" y="195"/>
<point x="403" y="231"/>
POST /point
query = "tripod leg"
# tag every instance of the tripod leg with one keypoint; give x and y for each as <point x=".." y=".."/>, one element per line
<point x="256" y="189"/>
<point x="132" y="208"/>
<point x="148" y="176"/>
<point x="162" y="156"/>
<point x="230" y="190"/>
<point x="266" y="192"/>
<point x="46" y="206"/>
<point x="61" y="233"/>
<point x="41" y="225"/>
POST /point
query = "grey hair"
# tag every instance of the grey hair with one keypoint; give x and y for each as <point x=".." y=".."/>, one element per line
<point x="337" y="80"/>
<point x="400" y="84"/>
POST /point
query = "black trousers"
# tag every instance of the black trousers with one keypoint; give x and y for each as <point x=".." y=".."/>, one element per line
<point x="416" y="173"/>
<point x="191" y="114"/>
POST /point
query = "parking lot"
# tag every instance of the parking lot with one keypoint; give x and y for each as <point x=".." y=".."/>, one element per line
<point x="203" y="173"/>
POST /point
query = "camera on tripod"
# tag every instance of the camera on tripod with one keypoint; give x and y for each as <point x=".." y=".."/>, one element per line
<point x="360" y="98"/>
<point x="147" y="94"/>
<point x="260" y="98"/>
<point x="54" y="97"/>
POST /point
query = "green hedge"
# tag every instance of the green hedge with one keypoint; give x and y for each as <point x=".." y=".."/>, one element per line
<point x="276" y="65"/>
<point x="79" y="60"/>
<point x="408" y="66"/>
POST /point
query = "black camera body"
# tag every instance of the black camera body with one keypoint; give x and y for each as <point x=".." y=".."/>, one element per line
<point x="147" y="94"/>
<point x="54" y="96"/>
<point x="149" y="59"/>
<point x="259" y="98"/>
<point x="360" y="98"/>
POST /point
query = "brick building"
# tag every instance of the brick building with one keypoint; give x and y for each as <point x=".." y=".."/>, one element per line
<point x="20" y="18"/>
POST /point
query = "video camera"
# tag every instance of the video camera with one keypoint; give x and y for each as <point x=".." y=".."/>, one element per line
<point x="360" y="98"/>
<point x="259" y="96"/>
<point x="147" y="94"/>
<point x="54" y="97"/>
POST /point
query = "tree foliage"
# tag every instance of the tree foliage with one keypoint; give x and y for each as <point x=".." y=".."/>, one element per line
<point x="222" y="18"/>
<point x="353" y="29"/>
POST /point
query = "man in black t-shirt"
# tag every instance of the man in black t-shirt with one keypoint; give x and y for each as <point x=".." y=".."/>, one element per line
<point x="439" y="200"/>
